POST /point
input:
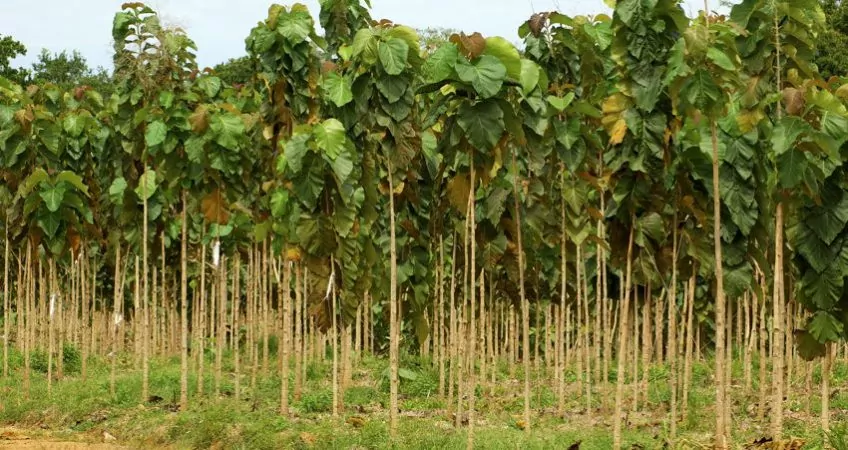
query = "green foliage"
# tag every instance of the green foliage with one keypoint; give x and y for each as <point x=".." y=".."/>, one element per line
<point x="235" y="70"/>
<point x="69" y="70"/>
<point x="9" y="50"/>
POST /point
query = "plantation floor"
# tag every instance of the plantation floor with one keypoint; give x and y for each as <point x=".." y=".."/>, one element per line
<point x="77" y="413"/>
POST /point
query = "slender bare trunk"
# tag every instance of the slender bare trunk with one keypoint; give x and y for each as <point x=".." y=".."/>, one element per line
<point x="7" y="304"/>
<point x="394" y="324"/>
<point x="687" y="360"/>
<point x="525" y="304"/>
<point x="777" y="322"/>
<point x="622" y="340"/>
<point x="825" y="387"/>
<point x="720" y="310"/>
<point x="672" y="332"/>
<point x="298" y="334"/>
<point x="285" y="344"/>
<point x="183" y="307"/>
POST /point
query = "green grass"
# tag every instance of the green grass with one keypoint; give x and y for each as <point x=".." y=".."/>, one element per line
<point x="81" y="410"/>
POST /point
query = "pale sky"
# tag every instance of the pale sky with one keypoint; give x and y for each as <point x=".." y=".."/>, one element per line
<point x="220" y="26"/>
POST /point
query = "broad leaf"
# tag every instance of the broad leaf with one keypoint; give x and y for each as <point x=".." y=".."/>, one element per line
<point x="337" y="89"/>
<point x="146" y="185"/>
<point x="825" y="328"/>
<point x="228" y="129"/>
<point x="482" y="122"/>
<point x="506" y="53"/>
<point x="155" y="133"/>
<point x="53" y="196"/>
<point x="116" y="190"/>
<point x="393" y="53"/>
<point x="440" y="64"/>
<point x="486" y="75"/>
<point x="330" y="137"/>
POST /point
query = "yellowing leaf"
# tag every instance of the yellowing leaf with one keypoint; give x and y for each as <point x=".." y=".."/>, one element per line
<point x="615" y="103"/>
<point x="399" y="187"/>
<point x="268" y="132"/>
<point x="293" y="254"/>
<point x="497" y="162"/>
<point x="748" y="119"/>
<point x="842" y="92"/>
<point x="619" y="130"/>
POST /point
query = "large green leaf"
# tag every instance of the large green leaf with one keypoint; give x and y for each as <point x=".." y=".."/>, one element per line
<point x="342" y="167"/>
<point x="787" y="131"/>
<point x="279" y="203"/>
<point x="337" y="89"/>
<point x="330" y="137"/>
<point x="440" y="64"/>
<point x="53" y="196"/>
<point x="529" y="77"/>
<point x="393" y="53"/>
<point x="365" y="46"/>
<point x="73" y="179"/>
<point x="825" y="328"/>
<point x="482" y="122"/>
<point x="296" y="149"/>
<point x="74" y="124"/>
<point x="146" y="185"/>
<point x="295" y="25"/>
<point x="791" y="167"/>
<point x="486" y="74"/>
<point x="34" y="179"/>
<point x="392" y="87"/>
<point x="506" y="53"/>
<point x="701" y="92"/>
<point x="116" y="190"/>
<point x="228" y="129"/>
<point x="210" y="85"/>
<point x="155" y="133"/>
<point x="49" y="223"/>
<point x="50" y="136"/>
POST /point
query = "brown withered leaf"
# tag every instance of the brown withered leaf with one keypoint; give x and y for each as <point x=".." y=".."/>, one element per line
<point x="214" y="207"/>
<point x="537" y="22"/>
<point x="794" y="100"/>
<point x="471" y="46"/>
<point x="199" y="119"/>
<point x="458" y="190"/>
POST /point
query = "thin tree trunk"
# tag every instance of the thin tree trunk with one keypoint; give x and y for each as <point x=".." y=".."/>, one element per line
<point x="145" y="346"/>
<point x="622" y="340"/>
<point x="720" y="309"/>
<point x="236" y="333"/>
<point x="7" y="304"/>
<point x="335" y="333"/>
<point x="285" y="296"/>
<point x="183" y="308"/>
<point x="201" y="313"/>
<point x="394" y="324"/>
<point x="761" y="404"/>
<point x="525" y="304"/>
<point x="220" y="332"/>
<point x="672" y="333"/>
<point x="687" y="361"/>
<point x="441" y="314"/>
<point x="825" y="387"/>
<point x="777" y="323"/>
<point x="298" y="334"/>
<point x="561" y="330"/>
<point x="746" y="358"/>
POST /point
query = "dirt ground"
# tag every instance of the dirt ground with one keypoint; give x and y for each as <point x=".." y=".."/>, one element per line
<point x="11" y="438"/>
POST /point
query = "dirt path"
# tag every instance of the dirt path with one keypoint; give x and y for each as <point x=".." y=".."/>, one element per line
<point x="14" y="438"/>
